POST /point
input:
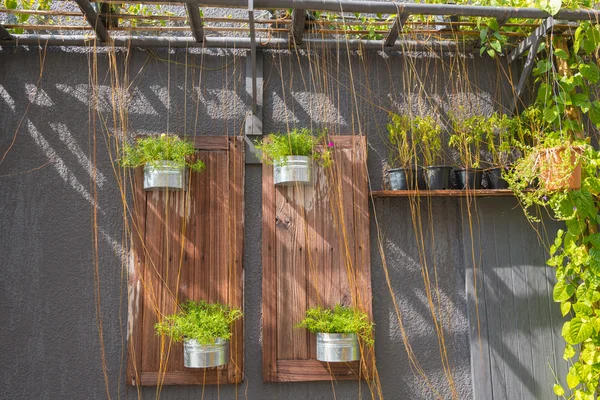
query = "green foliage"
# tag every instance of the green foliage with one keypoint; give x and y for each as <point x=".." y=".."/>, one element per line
<point x="153" y="149"/>
<point x="339" y="320"/>
<point x="402" y="140"/>
<point x="499" y="137"/>
<point x="298" y="142"/>
<point x="467" y="138"/>
<point x="429" y="133"/>
<point x="201" y="321"/>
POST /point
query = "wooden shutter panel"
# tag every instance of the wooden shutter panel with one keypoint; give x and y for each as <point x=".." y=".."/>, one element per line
<point x="187" y="245"/>
<point x="315" y="251"/>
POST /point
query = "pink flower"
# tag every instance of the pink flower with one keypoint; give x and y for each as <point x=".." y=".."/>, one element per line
<point x="330" y="144"/>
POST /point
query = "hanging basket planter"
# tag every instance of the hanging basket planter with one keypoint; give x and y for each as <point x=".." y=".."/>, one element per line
<point x="337" y="347"/>
<point x="559" y="168"/>
<point x="196" y="355"/>
<point x="293" y="170"/>
<point x="164" y="175"/>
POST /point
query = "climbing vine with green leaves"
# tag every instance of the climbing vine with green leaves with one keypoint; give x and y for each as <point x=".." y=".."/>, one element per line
<point x="556" y="120"/>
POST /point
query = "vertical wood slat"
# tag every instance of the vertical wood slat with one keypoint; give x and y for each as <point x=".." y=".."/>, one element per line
<point x="311" y="255"/>
<point x="516" y="355"/>
<point x="192" y="250"/>
<point x="137" y="228"/>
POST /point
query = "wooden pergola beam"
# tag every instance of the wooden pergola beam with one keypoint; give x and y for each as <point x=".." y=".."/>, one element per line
<point x="298" y="25"/>
<point x="195" y="21"/>
<point x="93" y="19"/>
<point x="4" y="34"/>
<point x="396" y="28"/>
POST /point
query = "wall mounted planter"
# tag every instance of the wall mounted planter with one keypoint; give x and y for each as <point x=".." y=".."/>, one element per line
<point x="164" y="175"/>
<point x="437" y="177"/>
<point x="337" y="347"/>
<point x="406" y="179"/>
<point x="495" y="179"/>
<point x="196" y="355"/>
<point x="296" y="170"/>
<point x="556" y="173"/>
<point x="469" y="178"/>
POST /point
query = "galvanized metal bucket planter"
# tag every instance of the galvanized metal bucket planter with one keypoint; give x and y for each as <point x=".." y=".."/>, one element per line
<point x="294" y="170"/>
<point x="337" y="347"/>
<point x="164" y="175"/>
<point x="196" y="355"/>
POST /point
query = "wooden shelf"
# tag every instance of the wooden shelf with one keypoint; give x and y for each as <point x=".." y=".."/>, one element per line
<point x="444" y="193"/>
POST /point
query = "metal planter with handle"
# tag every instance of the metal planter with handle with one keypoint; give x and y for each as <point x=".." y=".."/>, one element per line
<point x="196" y="355"/>
<point x="164" y="175"/>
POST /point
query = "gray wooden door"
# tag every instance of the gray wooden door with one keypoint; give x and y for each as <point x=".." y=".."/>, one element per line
<point x="516" y="346"/>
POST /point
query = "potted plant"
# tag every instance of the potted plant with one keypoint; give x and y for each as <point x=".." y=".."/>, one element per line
<point x="205" y="330"/>
<point x="292" y="155"/>
<point x="437" y="175"/>
<point x="405" y="174"/>
<point x="164" y="158"/>
<point x="466" y="140"/>
<point x="499" y="134"/>
<point x="338" y="331"/>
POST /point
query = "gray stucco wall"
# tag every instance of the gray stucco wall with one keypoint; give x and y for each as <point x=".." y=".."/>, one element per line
<point x="49" y="342"/>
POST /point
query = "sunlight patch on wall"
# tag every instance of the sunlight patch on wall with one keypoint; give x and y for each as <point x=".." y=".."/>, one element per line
<point x="7" y="98"/>
<point x="37" y="96"/>
<point x="68" y="139"/>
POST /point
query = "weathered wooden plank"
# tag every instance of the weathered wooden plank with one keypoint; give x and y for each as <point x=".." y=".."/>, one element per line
<point x="313" y="370"/>
<point x="477" y="306"/>
<point x="362" y="247"/>
<point x="137" y="229"/>
<point x="194" y="250"/>
<point x="269" y="277"/>
<point x="313" y="232"/>
<point x="210" y="143"/>
<point x="236" y="237"/>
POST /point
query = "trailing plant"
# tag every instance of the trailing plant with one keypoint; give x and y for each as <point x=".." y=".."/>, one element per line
<point x="402" y="139"/>
<point x="200" y="321"/>
<point x="153" y="149"/>
<point x="429" y="133"/>
<point x="298" y="142"/>
<point x="340" y="319"/>
<point x="467" y="138"/>
<point x="566" y="94"/>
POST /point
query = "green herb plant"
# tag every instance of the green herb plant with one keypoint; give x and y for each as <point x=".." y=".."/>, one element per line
<point x="429" y="134"/>
<point x="467" y="138"/>
<point x="200" y="321"/>
<point x="340" y="319"/>
<point x="499" y="131"/>
<point x="402" y="139"/>
<point x="298" y="142"/>
<point x="153" y="149"/>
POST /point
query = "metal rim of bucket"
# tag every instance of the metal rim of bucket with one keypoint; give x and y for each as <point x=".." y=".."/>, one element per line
<point x="293" y="170"/>
<point x="164" y="175"/>
<point x="196" y="355"/>
<point x="337" y="347"/>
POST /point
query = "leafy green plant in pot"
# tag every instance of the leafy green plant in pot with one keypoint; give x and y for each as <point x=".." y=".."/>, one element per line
<point x="338" y="331"/>
<point x="292" y="155"/>
<point x="466" y="140"/>
<point x="429" y="132"/>
<point x="499" y="139"/>
<point x="165" y="159"/>
<point x="205" y="330"/>
<point x="405" y="173"/>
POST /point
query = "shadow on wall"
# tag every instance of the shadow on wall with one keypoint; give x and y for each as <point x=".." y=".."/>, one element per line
<point x="48" y="288"/>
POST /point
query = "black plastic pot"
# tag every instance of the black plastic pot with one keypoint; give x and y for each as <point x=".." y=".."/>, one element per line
<point x="437" y="177"/>
<point x="494" y="178"/>
<point x="469" y="178"/>
<point x="406" y="179"/>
